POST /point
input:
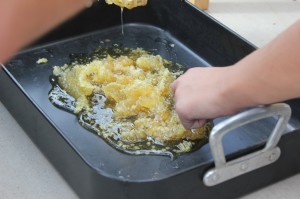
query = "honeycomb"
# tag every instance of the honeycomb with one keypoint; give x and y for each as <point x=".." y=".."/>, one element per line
<point x="127" y="3"/>
<point x="137" y="88"/>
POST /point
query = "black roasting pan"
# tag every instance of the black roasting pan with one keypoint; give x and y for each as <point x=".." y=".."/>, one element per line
<point x="180" y="32"/>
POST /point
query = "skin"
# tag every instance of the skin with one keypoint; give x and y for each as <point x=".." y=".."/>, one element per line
<point x="23" y="21"/>
<point x="270" y="74"/>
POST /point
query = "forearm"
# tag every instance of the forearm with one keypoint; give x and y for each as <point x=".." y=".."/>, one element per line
<point x="270" y="74"/>
<point x="22" y="21"/>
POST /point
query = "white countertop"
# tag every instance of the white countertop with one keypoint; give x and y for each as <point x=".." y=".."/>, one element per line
<point x="25" y="173"/>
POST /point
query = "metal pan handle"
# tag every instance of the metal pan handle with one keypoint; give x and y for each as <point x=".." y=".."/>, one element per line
<point x="223" y="170"/>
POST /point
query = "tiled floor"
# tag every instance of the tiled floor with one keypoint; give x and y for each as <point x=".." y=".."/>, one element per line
<point x="25" y="173"/>
<point x="258" y="21"/>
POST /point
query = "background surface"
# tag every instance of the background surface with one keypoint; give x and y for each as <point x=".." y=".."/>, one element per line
<point x="25" y="173"/>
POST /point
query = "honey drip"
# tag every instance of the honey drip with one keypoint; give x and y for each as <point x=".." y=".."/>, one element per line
<point x="122" y="22"/>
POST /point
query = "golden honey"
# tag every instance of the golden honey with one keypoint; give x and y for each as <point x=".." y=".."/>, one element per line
<point x="127" y="98"/>
<point x="127" y="3"/>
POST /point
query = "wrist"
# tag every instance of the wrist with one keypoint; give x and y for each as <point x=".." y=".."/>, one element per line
<point x="237" y="90"/>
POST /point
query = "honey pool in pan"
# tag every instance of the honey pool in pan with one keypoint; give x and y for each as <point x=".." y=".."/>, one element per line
<point x="124" y="96"/>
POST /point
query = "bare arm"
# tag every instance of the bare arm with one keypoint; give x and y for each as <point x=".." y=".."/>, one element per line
<point x="22" y="21"/>
<point x="268" y="75"/>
